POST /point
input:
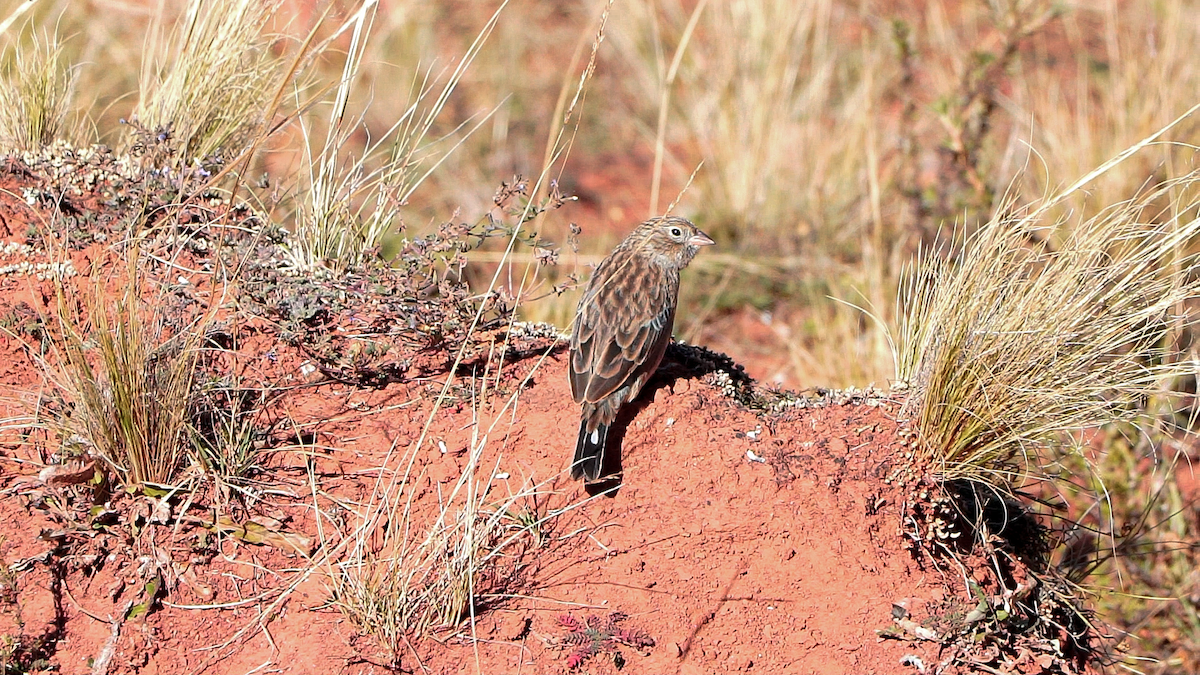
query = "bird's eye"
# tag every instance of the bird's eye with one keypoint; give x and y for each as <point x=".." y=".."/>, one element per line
<point x="676" y="232"/>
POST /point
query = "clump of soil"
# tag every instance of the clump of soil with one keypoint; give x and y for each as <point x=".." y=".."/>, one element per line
<point x="753" y="530"/>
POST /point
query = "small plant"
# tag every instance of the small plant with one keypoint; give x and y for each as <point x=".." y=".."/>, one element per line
<point x="35" y="97"/>
<point x="130" y="382"/>
<point x="966" y="114"/>
<point x="225" y="433"/>
<point x="595" y="635"/>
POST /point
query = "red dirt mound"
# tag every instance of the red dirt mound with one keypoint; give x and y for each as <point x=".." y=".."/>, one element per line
<point x="753" y="532"/>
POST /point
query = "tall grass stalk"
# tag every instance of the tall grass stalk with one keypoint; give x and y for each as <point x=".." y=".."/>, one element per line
<point x="1016" y="342"/>
<point x="346" y="206"/>
<point x="407" y="573"/>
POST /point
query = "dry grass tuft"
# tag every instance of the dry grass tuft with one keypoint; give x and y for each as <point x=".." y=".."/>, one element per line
<point x="1019" y="342"/>
<point x="130" y="380"/>
<point x="437" y="578"/>
<point x="35" y="97"/>
<point x="347" y="206"/>
<point x="206" y="83"/>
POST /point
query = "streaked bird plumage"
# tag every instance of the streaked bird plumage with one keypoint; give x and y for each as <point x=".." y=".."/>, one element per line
<point x="622" y="328"/>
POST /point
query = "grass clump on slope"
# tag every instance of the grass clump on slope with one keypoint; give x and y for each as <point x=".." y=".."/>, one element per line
<point x="1025" y="338"/>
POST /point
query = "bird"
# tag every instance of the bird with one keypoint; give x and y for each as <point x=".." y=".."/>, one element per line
<point x="622" y="326"/>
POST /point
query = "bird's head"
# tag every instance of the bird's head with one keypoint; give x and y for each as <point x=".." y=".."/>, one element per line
<point x="670" y="240"/>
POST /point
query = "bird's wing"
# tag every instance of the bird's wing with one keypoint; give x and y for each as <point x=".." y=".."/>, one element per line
<point x="621" y="331"/>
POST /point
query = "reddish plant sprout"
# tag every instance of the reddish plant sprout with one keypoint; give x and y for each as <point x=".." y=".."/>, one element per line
<point x="595" y="635"/>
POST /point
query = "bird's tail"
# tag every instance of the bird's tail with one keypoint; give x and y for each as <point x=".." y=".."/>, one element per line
<point x="589" y="452"/>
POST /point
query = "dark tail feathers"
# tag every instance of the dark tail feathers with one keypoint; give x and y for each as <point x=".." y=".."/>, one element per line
<point x="589" y="452"/>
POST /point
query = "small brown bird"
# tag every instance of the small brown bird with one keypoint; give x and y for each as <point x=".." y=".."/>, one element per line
<point x="622" y="327"/>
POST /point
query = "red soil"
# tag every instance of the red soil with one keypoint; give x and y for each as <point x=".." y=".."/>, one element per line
<point x="740" y="541"/>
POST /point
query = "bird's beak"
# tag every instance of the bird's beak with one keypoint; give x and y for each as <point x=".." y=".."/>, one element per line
<point x="701" y="239"/>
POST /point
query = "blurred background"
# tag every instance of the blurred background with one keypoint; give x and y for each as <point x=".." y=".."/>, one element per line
<point x="826" y="142"/>
<point x="833" y="137"/>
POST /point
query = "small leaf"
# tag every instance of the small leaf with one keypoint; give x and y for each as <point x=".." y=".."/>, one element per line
<point x="151" y="490"/>
<point x="149" y="592"/>
<point x="252" y="532"/>
<point x="72" y="473"/>
<point x="138" y="610"/>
